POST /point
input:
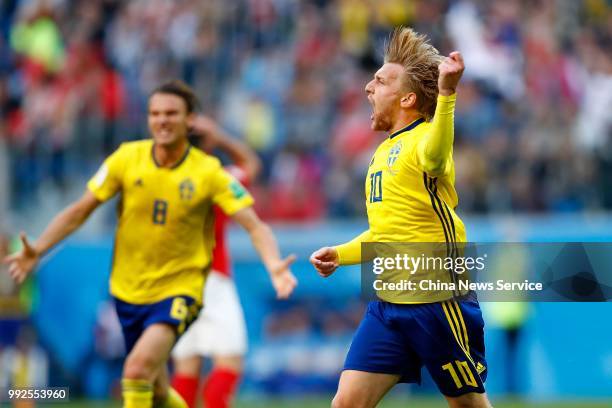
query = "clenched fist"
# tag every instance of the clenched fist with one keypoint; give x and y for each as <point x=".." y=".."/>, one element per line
<point x="450" y="71"/>
<point x="325" y="261"/>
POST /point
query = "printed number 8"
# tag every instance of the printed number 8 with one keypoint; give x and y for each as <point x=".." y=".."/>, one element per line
<point x="160" y="209"/>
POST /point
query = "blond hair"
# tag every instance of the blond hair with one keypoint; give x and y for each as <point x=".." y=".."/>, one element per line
<point x="420" y="60"/>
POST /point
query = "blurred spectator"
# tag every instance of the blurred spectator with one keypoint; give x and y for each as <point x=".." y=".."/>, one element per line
<point x="510" y="318"/>
<point x="533" y="127"/>
<point x="24" y="364"/>
<point x="37" y="38"/>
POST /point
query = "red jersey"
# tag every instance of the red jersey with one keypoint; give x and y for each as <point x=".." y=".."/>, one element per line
<point x="221" y="261"/>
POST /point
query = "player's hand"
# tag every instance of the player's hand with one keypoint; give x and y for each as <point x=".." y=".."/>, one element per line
<point x="282" y="279"/>
<point x="22" y="263"/>
<point x="208" y="130"/>
<point x="325" y="261"/>
<point x="450" y="71"/>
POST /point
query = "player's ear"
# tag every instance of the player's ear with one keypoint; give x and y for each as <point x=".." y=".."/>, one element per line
<point x="408" y="100"/>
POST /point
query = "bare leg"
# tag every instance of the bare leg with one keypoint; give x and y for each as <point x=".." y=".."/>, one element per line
<point x="188" y="366"/>
<point x="232" y="363"/>
<point x="147" y="359"/>
<point x="471" y="400"/>
<point x="360" y="389"/>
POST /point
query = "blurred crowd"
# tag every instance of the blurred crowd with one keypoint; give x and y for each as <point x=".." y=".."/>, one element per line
<point x="532" y="126"/>
<point x="303" y="346"/>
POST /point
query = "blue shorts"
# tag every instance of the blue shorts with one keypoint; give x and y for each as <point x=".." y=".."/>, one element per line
<point x="177" y="311"/>
<point x="446" y="337"/>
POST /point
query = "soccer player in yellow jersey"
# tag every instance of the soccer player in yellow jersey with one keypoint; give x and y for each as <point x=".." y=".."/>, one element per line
<point x="161" y="255"/>
<point x="410" y="197"/>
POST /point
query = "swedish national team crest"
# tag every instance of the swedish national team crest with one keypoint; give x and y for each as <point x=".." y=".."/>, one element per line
<point x="394" y="154"/>
<point x="186" y="189"/>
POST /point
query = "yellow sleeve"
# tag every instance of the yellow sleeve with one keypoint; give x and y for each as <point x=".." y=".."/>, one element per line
<point x="228" y="193"/>
<point x="108" y="180"/>
<point x="435" y="150"/>
<point x="350" y="253"/>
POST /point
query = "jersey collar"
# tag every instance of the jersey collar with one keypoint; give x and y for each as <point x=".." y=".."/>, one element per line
<point x="178" y="163"/>
<point x="407" y="128"/>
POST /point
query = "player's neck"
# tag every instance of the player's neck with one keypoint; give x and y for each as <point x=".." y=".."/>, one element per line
<point x="170" y="155"/>
<point x="404" y="120"/>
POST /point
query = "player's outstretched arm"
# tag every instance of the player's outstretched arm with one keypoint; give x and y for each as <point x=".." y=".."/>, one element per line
<point x="327" y="259"/>
<point x="264" y="242"/>
<point x="435" y="150"/>
<point x="213" y="136"/>
<point x="22" y="263"/>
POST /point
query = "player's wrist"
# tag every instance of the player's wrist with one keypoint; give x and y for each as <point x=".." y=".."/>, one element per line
<point x="336" y="252"/>
<point x="38" y="250"/>
<point x="275" y="268"/>
<point x="447" y="92"/>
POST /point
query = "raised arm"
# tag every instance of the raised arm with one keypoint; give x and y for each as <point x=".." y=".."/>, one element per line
<point x="213" y="136"/>
<point x="22" y="263"/>
<point x="264" y="242"/>
<point x="435" y="149"/>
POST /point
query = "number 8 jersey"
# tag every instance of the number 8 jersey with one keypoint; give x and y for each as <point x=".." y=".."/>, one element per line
<point x="160" y="249"/>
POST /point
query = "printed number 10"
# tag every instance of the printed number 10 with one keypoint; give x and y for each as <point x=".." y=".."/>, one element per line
<point x="466" y="374"/>
<point x="376" y="187"/>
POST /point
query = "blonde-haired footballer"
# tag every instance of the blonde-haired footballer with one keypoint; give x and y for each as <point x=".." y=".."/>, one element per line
<point x="412" y="199"/>
<point x="161" y="257"/>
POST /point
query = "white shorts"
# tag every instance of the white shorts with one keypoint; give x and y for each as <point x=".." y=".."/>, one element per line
<point x="220" y="329"/>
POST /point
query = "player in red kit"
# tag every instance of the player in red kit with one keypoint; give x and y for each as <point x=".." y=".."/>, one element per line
<point x="220" y="332"/>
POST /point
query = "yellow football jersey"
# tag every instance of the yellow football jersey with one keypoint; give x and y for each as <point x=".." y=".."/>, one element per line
<point x="407" y="204"/>
<point x="160" y="248"/>
<point x="404" y="204"/>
